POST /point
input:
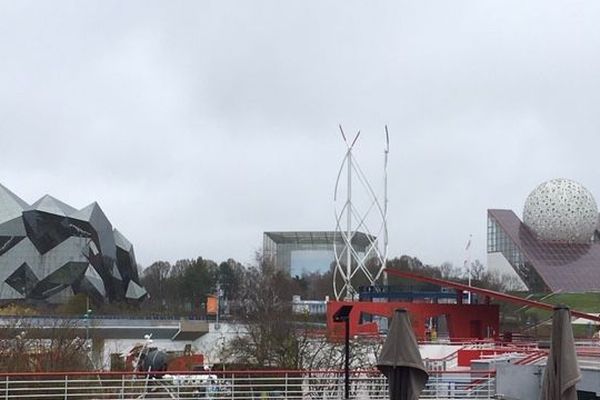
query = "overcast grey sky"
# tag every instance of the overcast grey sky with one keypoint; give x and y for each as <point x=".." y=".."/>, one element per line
<point x="197" y="125"/>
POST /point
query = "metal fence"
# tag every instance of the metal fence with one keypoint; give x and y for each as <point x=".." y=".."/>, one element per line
<point x="241" y="385"/>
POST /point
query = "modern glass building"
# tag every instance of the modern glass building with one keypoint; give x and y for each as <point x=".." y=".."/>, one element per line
<point x="557" y="248"/>
<point x="285" y="249"/>
<point x="50" y="251"/>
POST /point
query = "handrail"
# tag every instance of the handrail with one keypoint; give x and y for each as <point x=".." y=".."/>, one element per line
<point x="225" y="372"/>
<point x="288" y="386"/>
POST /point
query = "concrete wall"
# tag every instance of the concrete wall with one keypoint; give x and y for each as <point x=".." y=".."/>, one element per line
<point x="590" y="380"/>
<point x="212" y="343"/>
<point x="518" y="382"/>
<point x="523" y="382"/>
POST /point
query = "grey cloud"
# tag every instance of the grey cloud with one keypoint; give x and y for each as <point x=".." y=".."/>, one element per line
<point x="210" y="122"/>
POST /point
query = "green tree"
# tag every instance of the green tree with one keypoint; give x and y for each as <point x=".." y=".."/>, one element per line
<point x="155" y="279"/>
<point x="180" y="287"/>
<point x="196" y="281"/>
<point x="230" y="277"/>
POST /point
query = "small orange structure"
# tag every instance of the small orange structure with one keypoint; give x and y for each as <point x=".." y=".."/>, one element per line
<point x="212" y="305"/>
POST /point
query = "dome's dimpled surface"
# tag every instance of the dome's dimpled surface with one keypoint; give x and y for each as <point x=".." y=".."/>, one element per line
<point x="561" y="210"/>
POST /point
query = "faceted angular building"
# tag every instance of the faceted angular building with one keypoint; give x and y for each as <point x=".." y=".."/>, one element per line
<point x="555" y="248"/>
<point x="50" y="251"/>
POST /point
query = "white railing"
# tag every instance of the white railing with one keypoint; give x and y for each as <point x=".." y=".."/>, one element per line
<point x="242" y="385"/>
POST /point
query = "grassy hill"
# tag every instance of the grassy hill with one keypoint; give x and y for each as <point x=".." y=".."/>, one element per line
<point x="531" y="320"/>
<point x="586" y="302"/>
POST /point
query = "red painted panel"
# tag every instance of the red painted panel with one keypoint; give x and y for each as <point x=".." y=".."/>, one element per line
<point x="461" y="318"/>
<point x="186" y="363"/>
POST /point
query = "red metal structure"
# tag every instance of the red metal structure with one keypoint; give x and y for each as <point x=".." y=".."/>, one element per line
<point x="488" y="294"/>
<point x="476" y="321"/>
<point x="464" y="321"/>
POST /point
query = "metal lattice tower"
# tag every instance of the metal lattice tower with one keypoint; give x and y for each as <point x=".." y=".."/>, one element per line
<point x="359" y="211"/>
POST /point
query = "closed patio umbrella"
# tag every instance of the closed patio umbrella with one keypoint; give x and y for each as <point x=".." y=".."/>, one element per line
<point x="562" y="371"/>
<point x="400" y="360"/>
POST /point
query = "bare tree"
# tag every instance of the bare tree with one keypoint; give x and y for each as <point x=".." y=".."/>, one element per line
<point x="271" y="338"/>
<point x="25" y="347"/>
<point x="274" y="337"/>
<point x="449" y="271"/>
<point x="477" y="271"/>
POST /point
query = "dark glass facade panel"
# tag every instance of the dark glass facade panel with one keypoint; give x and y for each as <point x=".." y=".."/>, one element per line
<point x="23" y="280"/>
<point x="499" y="241"/>
<point x="46" y="231"/>
<point x="65" y="276"/>
<point x="86" y="286"/>
<point x="127" y="268"/>
<point x="8" y="242"/>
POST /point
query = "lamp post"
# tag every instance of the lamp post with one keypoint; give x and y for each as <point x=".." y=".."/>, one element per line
<point x="87" y="316"/>
<point x="343" y="315"/>
<point x="219" y="294"/>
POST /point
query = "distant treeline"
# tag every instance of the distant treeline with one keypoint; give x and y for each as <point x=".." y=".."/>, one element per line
<point x="182" y="287"/>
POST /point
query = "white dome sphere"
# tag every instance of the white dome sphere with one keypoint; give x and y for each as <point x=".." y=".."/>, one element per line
<point x="561" y="210"/>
